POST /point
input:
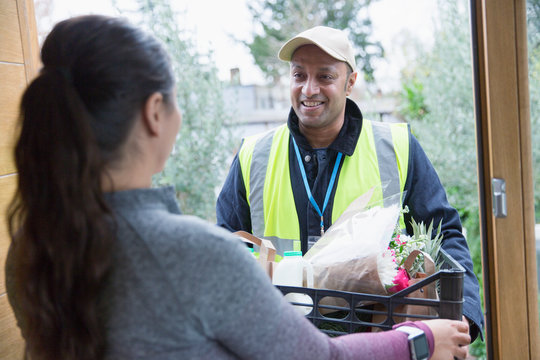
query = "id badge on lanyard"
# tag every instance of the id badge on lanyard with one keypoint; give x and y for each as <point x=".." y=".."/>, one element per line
<point x="311" y="240"/>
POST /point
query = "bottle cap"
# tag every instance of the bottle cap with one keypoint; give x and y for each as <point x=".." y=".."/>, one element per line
<point x="292" y="253"/>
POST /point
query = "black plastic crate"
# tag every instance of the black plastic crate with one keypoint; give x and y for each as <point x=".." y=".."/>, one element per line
<point x="357" y="316"/>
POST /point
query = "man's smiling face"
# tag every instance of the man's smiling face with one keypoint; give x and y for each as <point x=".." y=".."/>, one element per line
<point x="319" y="87"/>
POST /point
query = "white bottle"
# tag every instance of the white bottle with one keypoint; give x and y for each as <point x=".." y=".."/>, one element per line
<point x="290" y="272"/>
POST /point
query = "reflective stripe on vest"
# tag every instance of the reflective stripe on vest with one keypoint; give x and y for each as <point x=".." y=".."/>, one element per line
<point x="268" y="189"/>
<point x="380" y="160"/>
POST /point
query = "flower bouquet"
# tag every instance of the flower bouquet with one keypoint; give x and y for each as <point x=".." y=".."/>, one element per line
<point x="364" y="251"/>
<point x="346" y="257"/>
<point x="408" y="257"/>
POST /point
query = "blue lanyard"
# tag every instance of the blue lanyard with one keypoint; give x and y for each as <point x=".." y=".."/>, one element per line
<point x="306" y="184"/>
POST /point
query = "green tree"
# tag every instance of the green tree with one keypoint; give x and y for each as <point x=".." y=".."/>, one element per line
<point x="533" y="22"/>
<point x="414" y="104"/>
<point x="445" y="123"/>
<point x="198" y="161"/>
<point x="278" y="20"/>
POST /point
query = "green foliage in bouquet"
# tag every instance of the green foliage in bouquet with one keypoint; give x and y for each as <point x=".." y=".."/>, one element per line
<point x="422" y="239"/>
<point x="431" y="246"/>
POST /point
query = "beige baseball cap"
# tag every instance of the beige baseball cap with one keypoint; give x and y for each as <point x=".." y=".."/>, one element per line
<point x="332" y="41"/>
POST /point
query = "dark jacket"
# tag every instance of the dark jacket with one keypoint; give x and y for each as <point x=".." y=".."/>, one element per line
<point x="424" y="196"/>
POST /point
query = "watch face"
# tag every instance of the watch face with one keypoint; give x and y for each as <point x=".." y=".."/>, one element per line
<point x="421" y="347"/>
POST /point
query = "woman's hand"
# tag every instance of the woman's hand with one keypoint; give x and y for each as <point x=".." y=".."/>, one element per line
<point x="451" y="338"/>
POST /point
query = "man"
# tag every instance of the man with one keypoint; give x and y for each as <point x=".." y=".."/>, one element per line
<point x="291" y="183"/>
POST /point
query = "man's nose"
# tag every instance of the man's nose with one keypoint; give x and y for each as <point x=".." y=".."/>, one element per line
<point x="310" y="88"/>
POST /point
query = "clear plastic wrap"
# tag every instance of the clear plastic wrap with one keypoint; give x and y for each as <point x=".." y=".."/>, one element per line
<point x="350" y="255"/>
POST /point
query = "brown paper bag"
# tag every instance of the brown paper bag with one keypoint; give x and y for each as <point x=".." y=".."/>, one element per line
<point x="267" y="251"/>
<point x="356" y="275"/>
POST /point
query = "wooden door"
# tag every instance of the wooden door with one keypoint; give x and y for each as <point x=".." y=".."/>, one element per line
<point x="504" y="141"/>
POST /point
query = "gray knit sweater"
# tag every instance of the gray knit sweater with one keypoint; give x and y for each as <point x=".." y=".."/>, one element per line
<point x="182" y="288"/>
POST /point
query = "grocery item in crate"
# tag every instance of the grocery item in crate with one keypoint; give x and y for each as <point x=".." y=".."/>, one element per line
<point x="364" y="250"/>
<point x="290" y="272"/>
<point x="365" y="312"/>
<point x="349" y="256"/>
<point x="267" y="251"/>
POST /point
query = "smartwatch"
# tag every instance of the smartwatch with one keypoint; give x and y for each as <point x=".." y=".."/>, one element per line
<point x="418" y="343"/>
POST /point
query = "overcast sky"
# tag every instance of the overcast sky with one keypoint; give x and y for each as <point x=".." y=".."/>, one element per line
<point x="392" y="20"/>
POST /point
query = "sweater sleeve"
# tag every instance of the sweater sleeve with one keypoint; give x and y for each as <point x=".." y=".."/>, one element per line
<point x="383" y="345"/>
<point x="252" y="320"/>
<point x="429" y="334"/>
<point x="427" y="201"/>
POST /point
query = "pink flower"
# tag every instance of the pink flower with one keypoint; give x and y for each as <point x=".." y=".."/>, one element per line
<point x="401" y="281"/>
<point x="400" y="241"/>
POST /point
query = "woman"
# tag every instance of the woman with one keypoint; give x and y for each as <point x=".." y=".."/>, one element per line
<point x="101" y="266"/>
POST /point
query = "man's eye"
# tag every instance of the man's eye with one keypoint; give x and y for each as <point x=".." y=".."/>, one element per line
<point x="297" y="75"/>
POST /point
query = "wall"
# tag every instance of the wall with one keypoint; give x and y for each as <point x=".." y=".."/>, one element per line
<point x="18" y="64"/>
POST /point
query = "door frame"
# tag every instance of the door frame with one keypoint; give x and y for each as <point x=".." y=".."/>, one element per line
<point x="501" y="90"/>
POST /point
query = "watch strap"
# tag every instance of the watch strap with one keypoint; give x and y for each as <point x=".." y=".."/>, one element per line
<point x="418" y="343"/>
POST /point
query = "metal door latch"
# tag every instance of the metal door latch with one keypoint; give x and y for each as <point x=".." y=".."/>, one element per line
<point x="498" y="187"/>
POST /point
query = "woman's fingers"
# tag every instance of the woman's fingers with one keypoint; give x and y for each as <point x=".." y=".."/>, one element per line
<point x="461" y="352"/>
<point x="464" y="325"/>
<point x="461" y="341"/>
<point x="451" y="338"/>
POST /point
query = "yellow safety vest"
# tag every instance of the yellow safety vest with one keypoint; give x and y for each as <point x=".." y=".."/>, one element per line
<point x="380" y="160"/>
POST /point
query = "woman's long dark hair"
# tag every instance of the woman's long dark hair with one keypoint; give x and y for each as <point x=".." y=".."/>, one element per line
<point x="75" y="116"/>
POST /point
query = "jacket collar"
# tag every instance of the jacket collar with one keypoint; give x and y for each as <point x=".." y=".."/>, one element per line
<point x="347" y="137"/>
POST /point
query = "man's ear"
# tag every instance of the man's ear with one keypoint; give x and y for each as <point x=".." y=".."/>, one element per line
<point x="152" y="111"/>
<point x="350" y="83"/>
